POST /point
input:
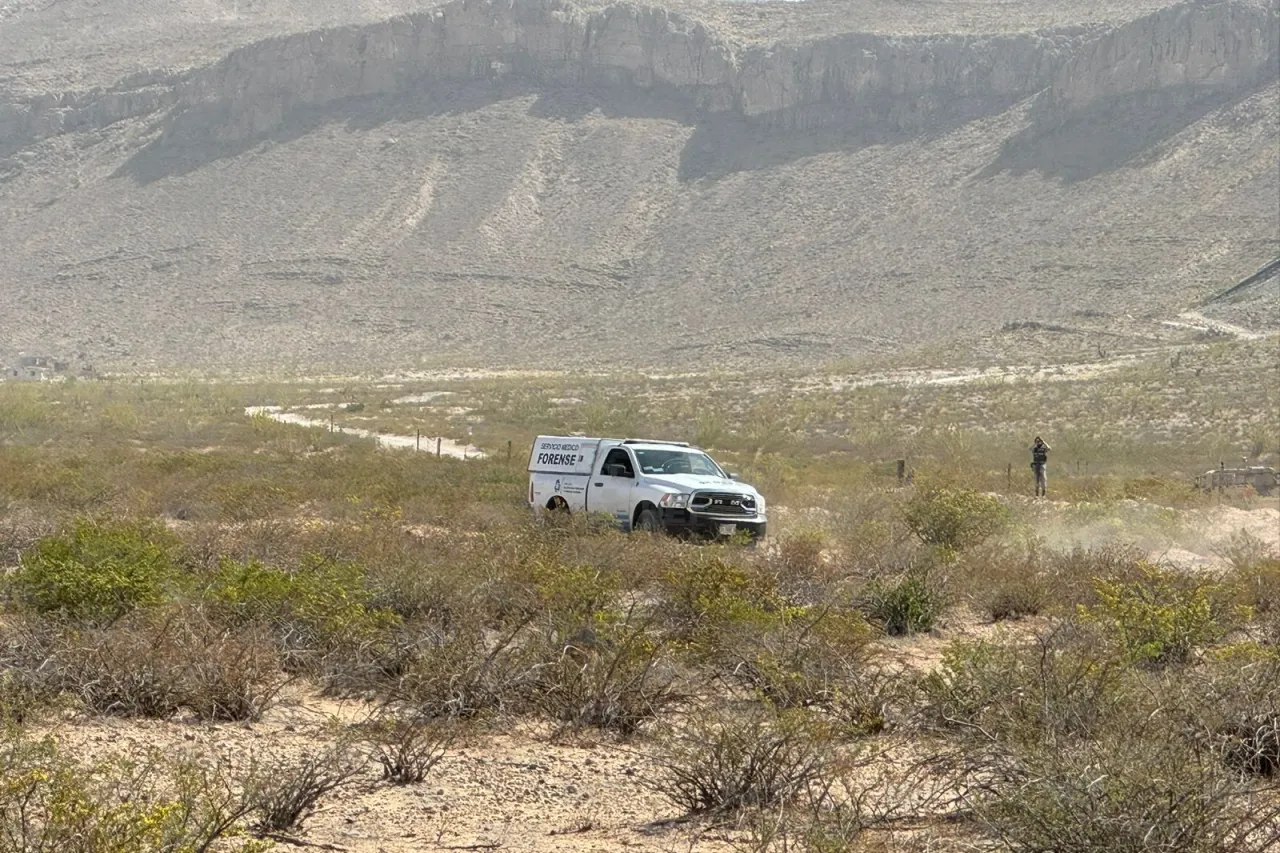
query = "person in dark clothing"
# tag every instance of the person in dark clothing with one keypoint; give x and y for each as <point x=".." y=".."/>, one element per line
<point x="1039" y="461"/>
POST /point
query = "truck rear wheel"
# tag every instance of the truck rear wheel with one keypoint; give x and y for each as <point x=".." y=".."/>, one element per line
<point x="558" y="504"/>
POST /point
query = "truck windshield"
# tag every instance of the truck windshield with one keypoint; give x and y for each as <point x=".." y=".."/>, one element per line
<point x="677" y="462"/>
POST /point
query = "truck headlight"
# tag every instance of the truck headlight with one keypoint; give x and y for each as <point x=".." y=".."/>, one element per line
<point x="675" y="501"/>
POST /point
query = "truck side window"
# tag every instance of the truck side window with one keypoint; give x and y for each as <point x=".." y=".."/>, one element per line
<point x="618" y="464"/>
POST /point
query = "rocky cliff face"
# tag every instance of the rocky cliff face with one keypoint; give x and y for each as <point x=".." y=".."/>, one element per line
<point x="897" y="84"/>
<point x="1210" y="47"/>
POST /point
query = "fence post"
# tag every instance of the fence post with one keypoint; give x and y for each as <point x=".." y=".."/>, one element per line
<point x="330" y="423"/>
<point x="437" y="448"/>
<point x="508" y="451"/>
<point x="417" y="440"/>
<point x="1008" y="475"/>
<point x="902" y="471"/>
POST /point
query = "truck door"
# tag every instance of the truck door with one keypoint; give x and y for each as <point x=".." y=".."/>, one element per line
<point x="611" y="486"/>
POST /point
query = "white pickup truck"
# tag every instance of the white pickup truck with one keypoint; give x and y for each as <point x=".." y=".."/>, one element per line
<point x="643" y="485"/>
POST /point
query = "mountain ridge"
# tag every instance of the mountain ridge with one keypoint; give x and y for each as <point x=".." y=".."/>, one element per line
<point x="1077" y="110"/>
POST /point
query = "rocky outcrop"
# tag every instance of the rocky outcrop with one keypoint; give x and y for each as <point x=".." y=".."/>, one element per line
<point x="23" y="120"/>
<point x="898" y="84"/>
<point x="1207" y="46"/>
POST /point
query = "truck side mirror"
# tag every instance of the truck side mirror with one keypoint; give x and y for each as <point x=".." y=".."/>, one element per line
<point x="734" y="477"/>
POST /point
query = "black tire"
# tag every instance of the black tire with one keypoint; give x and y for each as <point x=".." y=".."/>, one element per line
<point x="648" y="521"/>
<point x="558" y="505"/>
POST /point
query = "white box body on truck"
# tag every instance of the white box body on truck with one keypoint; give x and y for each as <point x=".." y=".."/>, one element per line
<point x="643" y="485"/>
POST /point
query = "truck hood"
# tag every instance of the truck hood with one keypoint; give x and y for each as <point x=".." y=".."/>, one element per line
<point x="695" y="483"/>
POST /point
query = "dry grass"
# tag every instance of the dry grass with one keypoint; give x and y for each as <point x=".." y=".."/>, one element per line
<point x="766" y="679"/>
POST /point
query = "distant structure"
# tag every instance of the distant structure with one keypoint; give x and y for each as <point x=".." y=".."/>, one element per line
<point x="36" y="368"/>
<point x="1264" y="480"/>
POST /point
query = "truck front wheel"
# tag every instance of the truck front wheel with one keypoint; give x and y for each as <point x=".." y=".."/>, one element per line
<point x="648" y="520"/>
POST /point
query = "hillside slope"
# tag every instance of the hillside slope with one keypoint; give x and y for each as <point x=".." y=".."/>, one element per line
<point x="538" y="182"/>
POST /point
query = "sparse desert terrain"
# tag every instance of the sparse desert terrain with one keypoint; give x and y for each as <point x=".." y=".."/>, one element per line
<point x="251" y="615"/>
<point x="309" y="277"/>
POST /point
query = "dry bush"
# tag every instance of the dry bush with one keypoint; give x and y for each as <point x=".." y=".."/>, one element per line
<point x="616" y="676"/>
<point x="1234" y="702"/>
<point x="1073" y="748"/>
<point x="723" y="761"/>
<point x="27" y="682"/>
<point x="463" y="674"/>
<point x="283" y="793"/>
<point x="820" y="657"/>
<point x="1143" y="787"/>
<point x="230" y="674"/>
<point x="1008" y="582"/>
<point x="1074" y="573"/>
<point x="1255" y="573"/>
<point x="155" y="664"/>
<point x="407" y="747"/>
<point x="1066" y="684"/>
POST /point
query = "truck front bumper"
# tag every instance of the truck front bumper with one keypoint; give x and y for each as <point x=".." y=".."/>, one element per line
<point x="683" y="522"/>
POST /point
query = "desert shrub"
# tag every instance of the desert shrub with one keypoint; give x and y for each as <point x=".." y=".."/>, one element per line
<point x="797" y="560"/>
<point x="283" y="793"/>
<point x="1065" y="685"/>
<point x="572" y="594"/>
<point x="705" y="594"/>
<point x="49" y="803"/>
<point x="820" y="657"/>
<point x="728" y="762"/>
<point x="1074" y="574"/>
<point x="461" y="674"/>
<point x="1009" y="583"/>
<point x="407" y="747"/>
<point x="1255" y="573"/>
<point x="27" y="644"/>
<point x="1234" y="702"/>
<point x="1161" y="618"/>
<point x="954" y="519"/>
<point x="910" y="603"/>
<point x="616" y="677"/>
<point x="229" y="674"/>
<point x="1141" y="789"/>
<point x="154" y="664"/>
<point x="318" y="606"/>
<point x="97" y="571"/>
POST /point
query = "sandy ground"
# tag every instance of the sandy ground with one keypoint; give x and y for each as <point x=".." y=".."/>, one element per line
<point x="516" y="791"/>
<point x="424" y="443"/>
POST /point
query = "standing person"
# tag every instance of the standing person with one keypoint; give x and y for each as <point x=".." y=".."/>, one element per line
<point x="1039" y="461"/>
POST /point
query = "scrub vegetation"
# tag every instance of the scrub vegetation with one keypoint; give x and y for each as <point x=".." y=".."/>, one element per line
<point x="901" y="666"/>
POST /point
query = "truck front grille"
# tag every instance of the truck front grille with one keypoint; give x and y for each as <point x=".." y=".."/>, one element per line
<point x="723" y="503"/>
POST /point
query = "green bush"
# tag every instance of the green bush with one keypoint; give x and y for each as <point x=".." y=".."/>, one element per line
<point x="50" y="803"/>
<point x="1162" y="617"/>
<point x="706" y="595"/>
<point x="319" y="606"/>
<point x="908" y="604"/>
<point x="954" y="519"/>
<point x="98" y="571"/>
